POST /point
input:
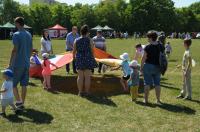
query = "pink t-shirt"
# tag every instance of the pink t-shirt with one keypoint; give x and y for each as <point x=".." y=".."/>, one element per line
<point x="46" y="67"/>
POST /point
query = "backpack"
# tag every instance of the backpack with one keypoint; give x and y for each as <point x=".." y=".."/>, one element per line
<point x="163" y="62"/>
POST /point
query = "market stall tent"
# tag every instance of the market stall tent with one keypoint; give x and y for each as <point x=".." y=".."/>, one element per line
<point x="7" y="30"/>
<point x="57" y="31"/>
<point x="106" y="28"/>
<point x="98" y="27"/>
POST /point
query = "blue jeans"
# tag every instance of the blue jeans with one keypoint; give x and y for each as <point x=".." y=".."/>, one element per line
<point x="151" y="75"/>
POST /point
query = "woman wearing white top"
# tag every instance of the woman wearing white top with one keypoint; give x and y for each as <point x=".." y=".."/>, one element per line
<point x="46" y="45"/>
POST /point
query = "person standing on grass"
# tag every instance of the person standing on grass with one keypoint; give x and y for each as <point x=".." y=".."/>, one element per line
<point x="46" y="45"/>
<point x="150" y="66"/>
<point x="168" y="49"/>
<point x="70" y="46"/>
<point x="99" y="43"/>
<point x="126" y="71"/>
<point x="186" y="91"/>
<point x="6" y="92"/>
<point x="139" y="52"/>
<point x="20" y="60"/>
<point x="85" y="61"/>
<point x="46" y="72"/>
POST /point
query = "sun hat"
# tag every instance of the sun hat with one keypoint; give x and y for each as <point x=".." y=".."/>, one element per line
<point x="8" y="72"/>
<point x="45" y="55"/>
<point x="124" y="56"/>
<point x="133" y="63"/>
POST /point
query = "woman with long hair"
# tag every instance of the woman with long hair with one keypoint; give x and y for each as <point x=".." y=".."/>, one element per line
<point x="46" y="45"/>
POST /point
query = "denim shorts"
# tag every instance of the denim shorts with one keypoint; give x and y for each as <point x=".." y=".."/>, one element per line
<point x="151" y="75"/>
<point x="21" y="75"/>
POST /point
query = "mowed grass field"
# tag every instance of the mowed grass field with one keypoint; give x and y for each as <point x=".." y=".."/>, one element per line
<point x="110" y="111"/>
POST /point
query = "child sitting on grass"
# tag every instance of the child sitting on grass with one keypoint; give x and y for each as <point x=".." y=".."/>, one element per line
<point x="34" y="60"/>
<point x="46" y="72"/>
<point x="134" y="79"/>
<point x="186" y="91"/>
<point x="7" y="92"/>
<point x="126" y="71"/>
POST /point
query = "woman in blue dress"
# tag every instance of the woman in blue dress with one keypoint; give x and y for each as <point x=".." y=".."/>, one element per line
<point x="85" y="61"/>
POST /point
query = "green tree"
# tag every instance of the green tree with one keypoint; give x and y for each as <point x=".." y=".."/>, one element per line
<point x="9" y="10"/>
<point x="187" y="21"/>
<point x="41" y="15"/>
<point x="84" y="15"/>
<point x="107" y="14"/>
<point x="61" y="15"/>
<point x="153" y="14"/>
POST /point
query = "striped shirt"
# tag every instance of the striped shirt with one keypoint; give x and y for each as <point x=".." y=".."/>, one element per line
<point x="99" y="42"/>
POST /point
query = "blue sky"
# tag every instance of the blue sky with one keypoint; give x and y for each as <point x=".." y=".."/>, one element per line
<point x="178" y="3"/>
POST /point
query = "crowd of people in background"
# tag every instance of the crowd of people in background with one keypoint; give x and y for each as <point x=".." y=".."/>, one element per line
<point x="146" y="63"/>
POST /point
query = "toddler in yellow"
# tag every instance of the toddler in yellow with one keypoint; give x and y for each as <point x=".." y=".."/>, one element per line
<point x="134" y="79"/>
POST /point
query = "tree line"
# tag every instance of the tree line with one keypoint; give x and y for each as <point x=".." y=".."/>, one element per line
<point x="134" y="16"/>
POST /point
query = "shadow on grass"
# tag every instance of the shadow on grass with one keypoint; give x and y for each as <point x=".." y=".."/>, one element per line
<point x="148" y="105"/>
<point x="31" y="115"/>
<point x="102" y="100"/>
<point x="177" y="108"/>
<point x="195" y="101"/>
<point x="172" y="60"/>
<point x="102" y="87"/>
<point x="32" y="84"/>
<point x="167" y="85"/>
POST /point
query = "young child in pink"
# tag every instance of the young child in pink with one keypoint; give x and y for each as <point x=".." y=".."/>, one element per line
<point x="46" y="72"/>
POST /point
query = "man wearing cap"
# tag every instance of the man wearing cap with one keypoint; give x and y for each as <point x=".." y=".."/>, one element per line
<point x="71" y="37"/>
<point x="99" y="42"/>
<point x="20" y="60"/>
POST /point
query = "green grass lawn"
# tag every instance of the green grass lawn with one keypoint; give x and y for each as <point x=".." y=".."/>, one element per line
<point x="63" y="110"/>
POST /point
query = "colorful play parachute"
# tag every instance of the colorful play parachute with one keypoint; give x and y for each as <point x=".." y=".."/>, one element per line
<point x="59" y="60"/>
<point x="110" y="62"/>
<point x="105" y="58"/>
<point x="63" y="59"/>
<point x="99" y="54"/>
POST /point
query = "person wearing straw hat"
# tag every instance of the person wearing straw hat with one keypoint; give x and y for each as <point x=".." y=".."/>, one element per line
<point x="134" y="79"/>
<point x="126" y="71"/>
<point x="7" y="97"/>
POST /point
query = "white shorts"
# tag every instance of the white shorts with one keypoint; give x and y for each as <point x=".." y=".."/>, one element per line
<point x="6" y="102"/>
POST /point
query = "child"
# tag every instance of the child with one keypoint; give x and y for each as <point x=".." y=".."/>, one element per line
<point x="168" y="49"/>
<point x="34" y="60"/>
<point x="186" y="92"/>
<point x="126" y="71"/>
<point x="46" y="72"/>
<point x="139" y="52"/>
<point x="134" y="79"/>
<point x="7" y="92"/>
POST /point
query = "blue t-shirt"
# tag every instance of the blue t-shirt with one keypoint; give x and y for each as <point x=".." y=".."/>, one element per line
<point x="70" y="41"/>
<point x="125" y="68"/>
<point x="22" y="40"/>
